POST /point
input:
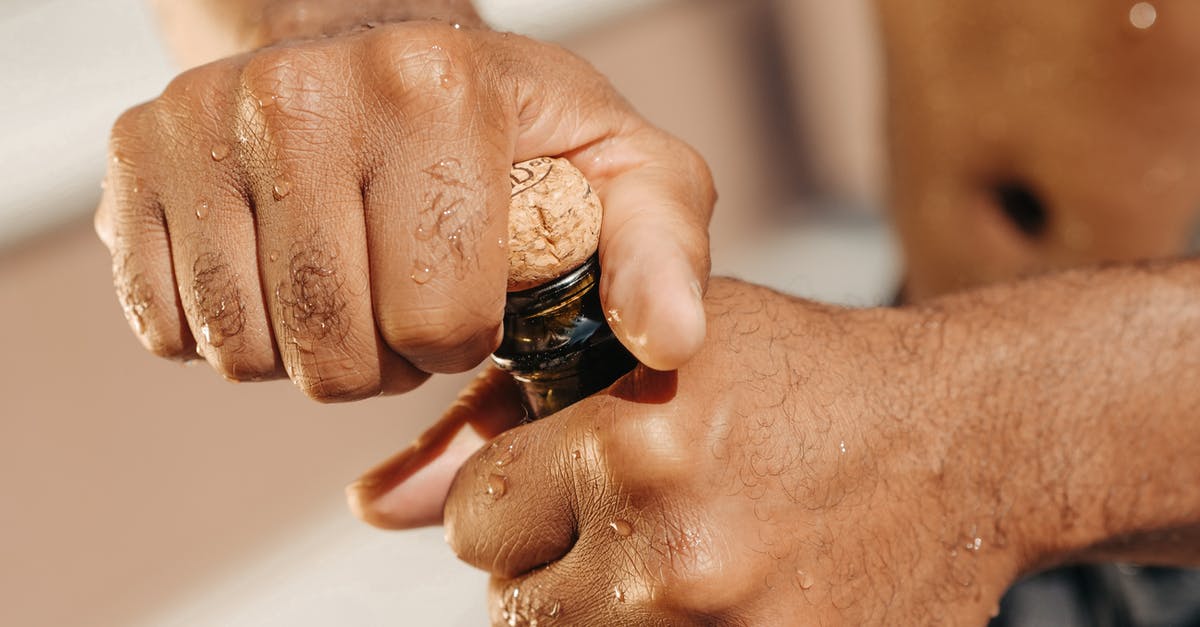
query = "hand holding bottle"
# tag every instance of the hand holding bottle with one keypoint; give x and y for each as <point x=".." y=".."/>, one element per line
<point x="336" y="209"/>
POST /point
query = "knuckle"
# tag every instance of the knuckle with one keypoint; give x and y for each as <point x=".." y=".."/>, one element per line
<point x="419" y="55"/>
<point x="130" y="133"/>
<point x="130" y="122"/>
<point x="200" y="93"/>
<point x="216" y="299"/>
<point x="144" y="311"/>
<point x="289" y="89"/>
<point x="688" y="569"/>
<point x="311" y="301"/>
<point x="656" y="443"/>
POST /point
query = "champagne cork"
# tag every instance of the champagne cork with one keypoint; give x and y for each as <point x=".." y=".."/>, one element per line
<point x="553" y="222"/>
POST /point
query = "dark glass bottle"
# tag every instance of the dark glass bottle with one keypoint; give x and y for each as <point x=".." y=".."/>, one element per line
<point x="557" y="344"/>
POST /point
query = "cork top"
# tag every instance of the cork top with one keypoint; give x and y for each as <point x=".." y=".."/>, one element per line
<point x="553" y="221"/>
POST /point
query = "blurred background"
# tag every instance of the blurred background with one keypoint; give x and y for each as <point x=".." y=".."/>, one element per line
<point x="141" y="492"/>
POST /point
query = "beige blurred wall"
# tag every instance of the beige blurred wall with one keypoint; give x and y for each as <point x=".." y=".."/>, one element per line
<point x="130" y="481"/>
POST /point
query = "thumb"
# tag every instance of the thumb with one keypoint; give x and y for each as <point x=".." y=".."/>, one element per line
<point x="409" y="489"/>
<point x="657" y="194"/>
<point x="654" y="255"/>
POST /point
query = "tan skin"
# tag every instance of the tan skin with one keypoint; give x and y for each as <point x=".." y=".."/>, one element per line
<point x="805" y="464"/>
<point x="1069" y="99"/>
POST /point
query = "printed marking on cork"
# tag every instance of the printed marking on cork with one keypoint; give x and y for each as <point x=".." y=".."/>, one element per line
<point x="526" y="174"/>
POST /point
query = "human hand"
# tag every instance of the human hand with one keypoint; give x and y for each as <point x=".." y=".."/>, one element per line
<point x="792" y="473"/>
<point x="336" y="209"/>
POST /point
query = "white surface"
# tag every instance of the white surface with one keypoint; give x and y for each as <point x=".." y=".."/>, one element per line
<point x="340" y="572"/>
<point x="68" y="68"/>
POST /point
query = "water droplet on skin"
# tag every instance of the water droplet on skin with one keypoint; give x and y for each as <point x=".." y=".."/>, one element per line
<point x="219" y="151"/>
<point x="576" y="455"/>
<point x="555" y="610"/>
<point x="621" y="528"/>
<point x="497" y="486"/>
<point x="273" y="256"/>
<point x="134" y="306"/>
<point x="843" y="446"/>
<point x="457" y="26"/>
<point x="421" y="274"/>
<point x="806" y="579"/>
<point x="202" y="210"/>
<point x="613" y="316"/>
<point x="1143" y="15"/>
<point x="506" y="456"/>
<point x="501" y="243"/>
<point x="619" y="595"/>
<point x="282" y="189"/>
<point x="207" y="333"/>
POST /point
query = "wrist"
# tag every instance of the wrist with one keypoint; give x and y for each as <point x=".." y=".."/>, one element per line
<point x="951" y="469"/>
<point x="941" y="494"/>
<point x="1068" y="403"/>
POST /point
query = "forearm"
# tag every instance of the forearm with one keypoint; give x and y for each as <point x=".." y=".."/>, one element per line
<point x="1071" y="411"/>
<point x="204" y="30"/>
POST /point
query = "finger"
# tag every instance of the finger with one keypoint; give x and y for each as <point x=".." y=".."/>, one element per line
<point x="305" y="183"/>
<point x="512" y="506"/>
<point x="657" y="195"/>
<point x="436" y="206"/>
<point x="409" y="490"/>
<point x="213" y="238"/>
<point x="132" y="224"/>
<point x="655" y="261"/>
<point x="653" y="570"/>
<point x="565" y="593"/>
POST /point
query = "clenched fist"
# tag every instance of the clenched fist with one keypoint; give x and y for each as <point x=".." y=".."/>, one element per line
<point x="795" y="472"/>
<point x="335" y="209"/>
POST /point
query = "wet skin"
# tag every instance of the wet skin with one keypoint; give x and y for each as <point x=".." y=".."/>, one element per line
<point x="818" y="465"/>
<point x="809" y="464"/>
<point x="335" y="210"/>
